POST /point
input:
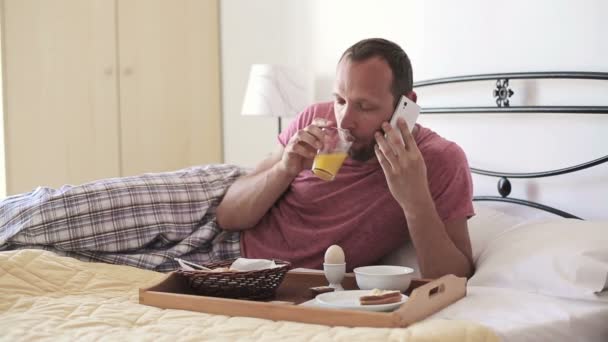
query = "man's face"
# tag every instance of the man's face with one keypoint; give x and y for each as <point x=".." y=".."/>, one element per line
<point x="363" y="100"/>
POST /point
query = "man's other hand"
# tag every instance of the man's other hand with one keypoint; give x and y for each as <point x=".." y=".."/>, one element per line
<point x="302" y="147"/>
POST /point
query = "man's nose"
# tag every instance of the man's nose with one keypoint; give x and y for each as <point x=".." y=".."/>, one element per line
<point x="348" y="117"/>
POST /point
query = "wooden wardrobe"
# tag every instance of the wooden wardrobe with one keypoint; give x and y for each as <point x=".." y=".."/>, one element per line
<point x="107" y="88"/>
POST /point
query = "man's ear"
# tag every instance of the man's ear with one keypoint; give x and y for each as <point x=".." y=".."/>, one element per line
<point x="412" y="95"/>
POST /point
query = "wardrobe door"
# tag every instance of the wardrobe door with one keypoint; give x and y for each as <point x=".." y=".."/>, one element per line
<point x="61" y="103"/>
<point x="169" y="84"/>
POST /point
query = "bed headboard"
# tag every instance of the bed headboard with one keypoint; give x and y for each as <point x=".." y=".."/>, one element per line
<point x="502" y="95"/>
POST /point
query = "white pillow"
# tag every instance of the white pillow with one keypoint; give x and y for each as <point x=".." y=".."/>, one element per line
<point x="485" y="225"/>
<point x="562" y="257"/>
<point x="559" y="257"/>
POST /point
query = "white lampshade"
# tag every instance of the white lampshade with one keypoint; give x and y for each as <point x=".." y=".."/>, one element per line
<point x="278" y="91"/>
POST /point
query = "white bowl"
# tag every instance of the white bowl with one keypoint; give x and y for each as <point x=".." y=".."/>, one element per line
<point x="383" y="277"/>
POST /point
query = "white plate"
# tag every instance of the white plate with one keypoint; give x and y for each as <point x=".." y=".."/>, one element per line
<point x="350" y="300"/>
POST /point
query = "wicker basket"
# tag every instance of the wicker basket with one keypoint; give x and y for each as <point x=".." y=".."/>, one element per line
<point x="259" y="284"/>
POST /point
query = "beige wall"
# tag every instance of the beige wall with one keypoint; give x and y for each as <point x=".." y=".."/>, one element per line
<point x="261" y="31"/>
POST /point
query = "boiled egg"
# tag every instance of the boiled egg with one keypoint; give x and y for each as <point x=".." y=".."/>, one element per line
<point x="334" y="255"/>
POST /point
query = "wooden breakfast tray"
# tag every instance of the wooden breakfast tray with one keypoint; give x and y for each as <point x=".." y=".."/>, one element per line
<point x="425" y="298"/>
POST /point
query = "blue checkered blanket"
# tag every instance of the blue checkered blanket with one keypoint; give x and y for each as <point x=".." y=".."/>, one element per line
<point x="143" y="221"/>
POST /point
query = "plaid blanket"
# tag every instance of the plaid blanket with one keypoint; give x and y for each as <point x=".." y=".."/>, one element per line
<point x="143" y="221"/>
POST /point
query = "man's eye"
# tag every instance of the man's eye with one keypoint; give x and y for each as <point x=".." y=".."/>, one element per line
<point x="340" y="101"/>
<point x="365" y="108"/>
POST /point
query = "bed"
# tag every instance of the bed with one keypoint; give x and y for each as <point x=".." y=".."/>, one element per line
<point x="538" y="277"/>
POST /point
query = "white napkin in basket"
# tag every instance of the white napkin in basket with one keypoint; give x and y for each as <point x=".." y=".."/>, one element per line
<point x="244" y="264"/>
<point x="240" y="264"/>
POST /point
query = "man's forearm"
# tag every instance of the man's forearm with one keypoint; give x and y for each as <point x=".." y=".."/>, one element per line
<point x="437" y="254"/>
<point x="250" y="197"/>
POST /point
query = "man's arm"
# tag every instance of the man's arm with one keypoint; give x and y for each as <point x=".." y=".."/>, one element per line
<point x="441" y="247"/>
<point x="250" y="196"/>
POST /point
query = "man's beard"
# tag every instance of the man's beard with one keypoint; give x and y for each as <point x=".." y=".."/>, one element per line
<point x="364" y="153"/>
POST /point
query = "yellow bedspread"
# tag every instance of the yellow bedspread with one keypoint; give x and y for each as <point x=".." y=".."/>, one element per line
<point x="47" y="297"/>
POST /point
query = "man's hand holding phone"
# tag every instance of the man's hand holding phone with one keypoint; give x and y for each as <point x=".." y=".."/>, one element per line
<point x="400" y="158"/>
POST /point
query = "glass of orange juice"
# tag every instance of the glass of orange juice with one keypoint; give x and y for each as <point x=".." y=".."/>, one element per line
<point x="329" y="159"/>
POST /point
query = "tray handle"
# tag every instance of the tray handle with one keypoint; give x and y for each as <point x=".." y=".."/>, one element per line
<point x="430" y="298"/>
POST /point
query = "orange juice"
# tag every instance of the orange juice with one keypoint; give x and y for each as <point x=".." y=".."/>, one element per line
<point x="326" y="166"/>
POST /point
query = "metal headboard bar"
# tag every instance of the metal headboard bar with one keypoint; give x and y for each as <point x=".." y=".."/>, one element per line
<point x="541" y="174"/>
<point x="527" y="204"/>
<point x="516" y="75"/>
<point x="502" y="93"/>
<point x="518" y="109"/>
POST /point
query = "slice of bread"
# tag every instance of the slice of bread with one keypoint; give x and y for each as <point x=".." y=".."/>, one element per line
<point x="377" y="297"/>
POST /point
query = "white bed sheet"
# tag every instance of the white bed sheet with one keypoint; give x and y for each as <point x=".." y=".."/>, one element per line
<point x="520" y="316"/>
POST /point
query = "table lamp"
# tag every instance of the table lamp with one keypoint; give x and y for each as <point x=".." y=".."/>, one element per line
<point x="278" y="91"/>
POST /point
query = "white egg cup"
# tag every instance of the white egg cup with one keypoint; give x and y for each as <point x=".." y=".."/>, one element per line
<point x="334" y="273"/>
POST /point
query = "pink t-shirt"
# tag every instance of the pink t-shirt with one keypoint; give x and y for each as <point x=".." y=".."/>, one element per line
<point x="356" y="210"/>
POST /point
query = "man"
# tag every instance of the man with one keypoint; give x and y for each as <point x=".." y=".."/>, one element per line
<point x="389" y="190"/>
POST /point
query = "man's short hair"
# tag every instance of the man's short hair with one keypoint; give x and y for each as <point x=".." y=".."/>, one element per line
<point x="394" y="56"/>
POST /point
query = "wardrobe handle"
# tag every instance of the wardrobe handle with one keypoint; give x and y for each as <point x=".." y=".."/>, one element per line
<point x="127" y="71"/>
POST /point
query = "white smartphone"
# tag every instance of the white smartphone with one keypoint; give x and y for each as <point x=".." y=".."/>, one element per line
<point x="408" y="110"/>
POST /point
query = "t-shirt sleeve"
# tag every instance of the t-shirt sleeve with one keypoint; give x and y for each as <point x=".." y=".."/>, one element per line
<point x="451" y="184"/>
<point x="302" y="120"/>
